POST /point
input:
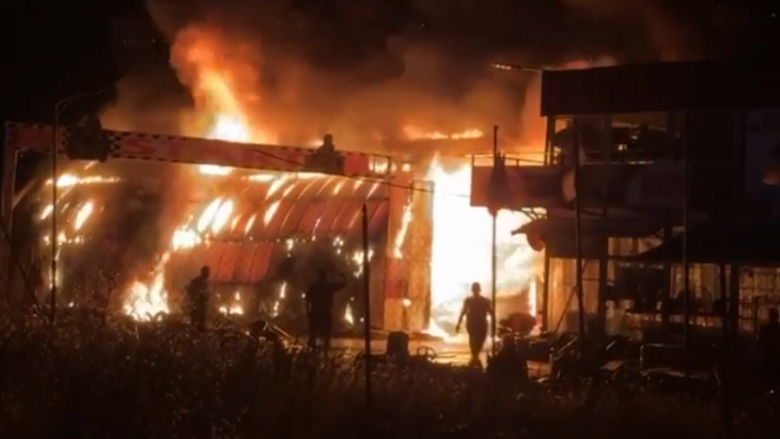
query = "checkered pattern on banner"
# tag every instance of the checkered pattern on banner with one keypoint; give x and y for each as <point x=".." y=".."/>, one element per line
<point x="38" y="137"/>
<point x="117" y="137"/>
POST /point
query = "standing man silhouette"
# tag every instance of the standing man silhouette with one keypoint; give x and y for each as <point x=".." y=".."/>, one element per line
<point x="319" y="309"/>
<point x="476" y="309"/>
<point x="198" y="299"/>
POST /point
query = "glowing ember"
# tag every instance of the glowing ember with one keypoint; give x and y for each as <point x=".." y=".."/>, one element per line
<point x="47" y="211"/>
<point x="214" y="170"/>
<point x="83" y="214"/>
<point x="416" y="133"/>
<point x="70" y="180"/>
<point x="235" y="308"/>
<point x="184" y="238"/>
<point x="348" y="317"/>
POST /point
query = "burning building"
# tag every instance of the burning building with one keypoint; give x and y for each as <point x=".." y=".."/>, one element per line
<point x="263" y="219"/>
<point x="262" y="215"/>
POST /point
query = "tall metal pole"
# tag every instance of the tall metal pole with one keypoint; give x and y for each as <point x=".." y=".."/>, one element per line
<point x="54" y="240"/>
<point x="685" y="262"/>
<point x="726" y="350"/>
<point x="546" y="293"/>
<point x="493" y="255"/>
<point x="550" y="134"/>
<point x="577" y="228"/>
<point x="6" y="212"/>
<point x="367" y="308"/>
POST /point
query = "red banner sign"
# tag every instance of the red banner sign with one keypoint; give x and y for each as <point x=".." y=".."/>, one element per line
<point x="177" y="149"/>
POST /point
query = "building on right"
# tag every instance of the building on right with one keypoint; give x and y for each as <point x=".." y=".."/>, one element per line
<point x="649" y="170"/>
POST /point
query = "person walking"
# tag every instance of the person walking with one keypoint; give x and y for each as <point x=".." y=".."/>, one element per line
<point x="476" y="310"/>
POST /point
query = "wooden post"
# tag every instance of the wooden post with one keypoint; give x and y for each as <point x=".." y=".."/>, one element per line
<point x="548" y="161"/>
<point x="726" y="348"/>
<point x="367" y="305"/>
<point x="6" y="216"/>
<point x="606" y="156"/>
<point x="735" y="298"/>
<point x="685" y="262"/>
<point x="546" y="293"/>
<point x="668" y="271"/>
<point x="578" y="228"/>
<point x="493" y="255"/>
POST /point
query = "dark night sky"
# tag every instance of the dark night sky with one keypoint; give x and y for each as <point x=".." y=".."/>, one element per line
<point x="60" y="48"/>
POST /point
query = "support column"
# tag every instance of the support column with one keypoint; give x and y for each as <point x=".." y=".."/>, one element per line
<point x="6" y="216"/>
<point x="546" y="293"/>
<point x="668" y="292"/>
<point x="396" y="286"/>
<point x="419" y="250"/>
<point x="734" y="298"/>
<point x="601" y="296"/>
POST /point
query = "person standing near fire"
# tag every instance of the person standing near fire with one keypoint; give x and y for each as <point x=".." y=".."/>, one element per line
<point x="319" y="309"/>
<point x="476" y="309"/>
<point x="198" y="299"/>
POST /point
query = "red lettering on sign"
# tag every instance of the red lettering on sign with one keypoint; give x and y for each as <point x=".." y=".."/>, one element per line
<point x="137" y="147"/>
<point x="212" y="153"/>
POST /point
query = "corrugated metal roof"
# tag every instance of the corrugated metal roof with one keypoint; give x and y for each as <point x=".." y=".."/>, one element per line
<point x="296" y="208"/>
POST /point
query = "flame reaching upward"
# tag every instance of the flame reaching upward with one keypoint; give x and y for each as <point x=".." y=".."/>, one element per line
<point x="225" y="98"/>
<point x="461" y="252"/>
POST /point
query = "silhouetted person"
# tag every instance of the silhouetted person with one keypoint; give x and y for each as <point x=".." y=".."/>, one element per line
<point x="327" y="146"/>
<point x="769" y="342"/>
<point x="325" y="158"/>
<point x="198" y="299"/>
<point x="319" y="309"/>
<point x="476" y="310"/>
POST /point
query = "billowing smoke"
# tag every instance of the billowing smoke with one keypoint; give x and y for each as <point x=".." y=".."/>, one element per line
<point x="667" y="35"/>
<point x="366" y="70"/>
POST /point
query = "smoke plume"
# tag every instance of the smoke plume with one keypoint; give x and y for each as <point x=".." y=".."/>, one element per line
<point x="366" y="70"/>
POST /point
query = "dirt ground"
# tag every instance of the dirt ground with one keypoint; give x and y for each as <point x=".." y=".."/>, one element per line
<point x="454" y="353"/>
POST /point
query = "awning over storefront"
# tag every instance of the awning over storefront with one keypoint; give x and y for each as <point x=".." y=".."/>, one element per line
<point x="558" y="236"/>
<point x="592" y="227"/>
<point x="746" y="243"/>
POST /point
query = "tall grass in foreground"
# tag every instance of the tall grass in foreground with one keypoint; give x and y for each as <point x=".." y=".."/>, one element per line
<point x="82" y="382"/>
